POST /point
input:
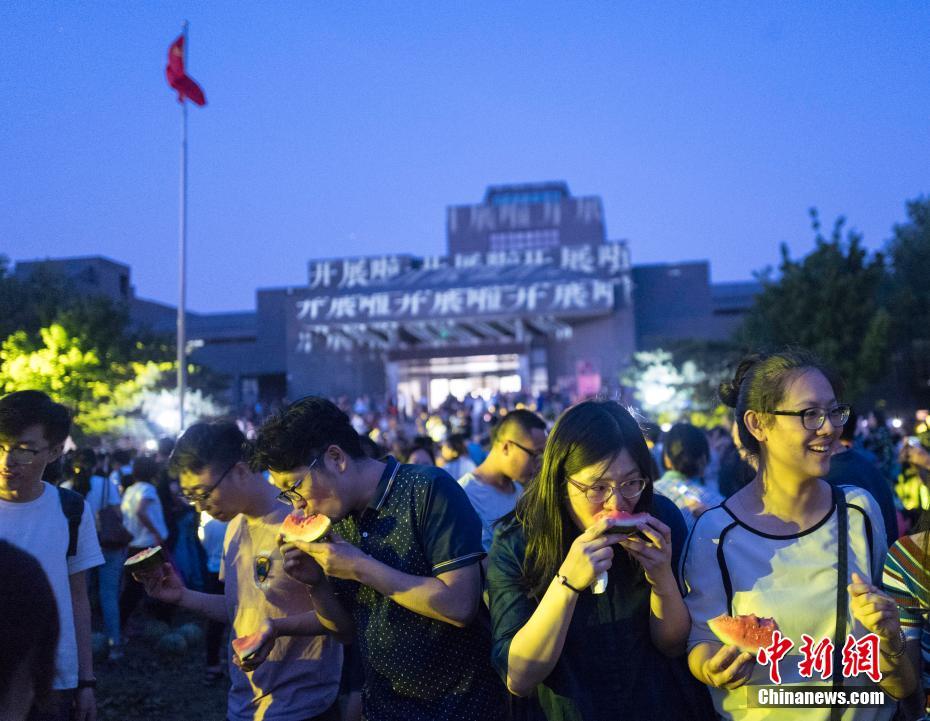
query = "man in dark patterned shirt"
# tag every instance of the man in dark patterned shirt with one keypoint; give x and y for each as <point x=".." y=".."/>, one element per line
<point x="403" y="560"/>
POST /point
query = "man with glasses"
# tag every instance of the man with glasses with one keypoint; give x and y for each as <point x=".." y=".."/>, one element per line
<point x="403" y="559"/>
<point x="496" y="485"/>
<point x="295" y="674"/>
<point x="33" y="429"/>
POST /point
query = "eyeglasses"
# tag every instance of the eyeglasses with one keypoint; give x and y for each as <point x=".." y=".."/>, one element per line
<point x="204" y="495"/>
<point x="292" y="495"/>
<point x="814" y="418"/>
<point x="528" y="451"/>
<point x="600" y="492"/>
<point x="21" y="456"/>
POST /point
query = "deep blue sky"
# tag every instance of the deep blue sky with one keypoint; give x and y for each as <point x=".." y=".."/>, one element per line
<point x="336" y="129"/>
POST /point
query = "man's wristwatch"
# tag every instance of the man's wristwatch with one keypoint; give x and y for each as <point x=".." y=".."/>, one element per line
<point x="87" y="683"/>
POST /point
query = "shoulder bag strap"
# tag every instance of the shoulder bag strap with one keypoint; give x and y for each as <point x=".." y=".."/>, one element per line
<point x="842" y="594"/>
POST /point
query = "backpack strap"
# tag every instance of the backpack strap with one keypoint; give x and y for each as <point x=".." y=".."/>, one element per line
<point x="72" y="505"/>
<point x="842" y="593"/>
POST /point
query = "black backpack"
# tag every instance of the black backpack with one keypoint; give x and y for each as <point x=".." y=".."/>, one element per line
<point x="72" y="505"/>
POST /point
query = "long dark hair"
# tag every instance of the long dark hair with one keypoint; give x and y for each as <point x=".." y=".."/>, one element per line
<point x="584" y="435"/>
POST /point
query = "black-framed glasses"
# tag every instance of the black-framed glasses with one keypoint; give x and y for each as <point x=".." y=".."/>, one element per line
<point x="204" y="495"/>
<point x="813" y="418"/>
<point x="292" y="495"/>
<point x="21" y="456"/>
<point x="600" y="492"/>
<point x="528" y="451"/>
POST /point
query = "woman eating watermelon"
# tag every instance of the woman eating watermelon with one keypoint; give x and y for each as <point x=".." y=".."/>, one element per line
<point x="585" y="607"/>
<point x="787" y="551"/>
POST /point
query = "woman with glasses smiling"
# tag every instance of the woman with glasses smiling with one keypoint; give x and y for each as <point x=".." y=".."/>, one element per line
<point x="581" y="655"/>
<point x="792" y="547"/>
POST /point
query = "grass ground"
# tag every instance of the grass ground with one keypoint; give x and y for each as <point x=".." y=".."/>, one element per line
<point x="147" y="686"/>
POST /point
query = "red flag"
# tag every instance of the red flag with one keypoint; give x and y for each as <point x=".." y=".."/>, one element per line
<point x="178" y="79"/>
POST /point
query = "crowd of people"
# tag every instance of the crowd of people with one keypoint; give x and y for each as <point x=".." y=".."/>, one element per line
<point x="470" y="571"/>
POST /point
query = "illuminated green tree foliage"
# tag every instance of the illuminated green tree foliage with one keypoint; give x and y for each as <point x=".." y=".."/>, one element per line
<point x="105" y="393"/>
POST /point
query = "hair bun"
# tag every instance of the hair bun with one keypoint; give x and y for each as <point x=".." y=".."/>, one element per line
<point x="729" y="393"/>
<point x="729" y="390"/>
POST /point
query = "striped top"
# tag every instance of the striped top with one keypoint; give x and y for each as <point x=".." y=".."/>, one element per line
<point x="907" y="580"/>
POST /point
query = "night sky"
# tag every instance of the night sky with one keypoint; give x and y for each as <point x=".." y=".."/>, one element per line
<point x="341" y="129"/>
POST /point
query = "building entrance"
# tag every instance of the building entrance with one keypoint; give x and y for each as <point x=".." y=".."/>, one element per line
<point x="430" y="381"/>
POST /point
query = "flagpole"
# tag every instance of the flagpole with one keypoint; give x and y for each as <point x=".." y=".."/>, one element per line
<point x="182" y="260"/>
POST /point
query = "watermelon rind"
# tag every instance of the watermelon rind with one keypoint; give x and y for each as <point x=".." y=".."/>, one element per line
<point x="301" y="534"/>
<point x="248" y="649"/>
<point x="146" y="560"/>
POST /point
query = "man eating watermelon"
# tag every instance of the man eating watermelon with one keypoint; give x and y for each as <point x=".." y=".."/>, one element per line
<point x="285" y="664"/>
<point x="403" y="558"/>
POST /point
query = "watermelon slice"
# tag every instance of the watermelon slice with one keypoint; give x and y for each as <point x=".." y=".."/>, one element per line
<point x="307" y="529"/>
<point x="246" y="646"/>
<point x="747" y="633"/>
<point x="146" y="561"/>
<point x="623" y="522"/>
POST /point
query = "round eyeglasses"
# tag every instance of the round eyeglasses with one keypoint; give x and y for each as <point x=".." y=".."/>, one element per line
<point x="291" y="496"/>
<point x="202" y="496"/>
<point x="600" y="491"/>
<point x="813" y="418"/>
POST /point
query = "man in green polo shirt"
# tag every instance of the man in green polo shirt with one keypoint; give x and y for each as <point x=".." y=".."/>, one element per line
<point x="403" y="560"/>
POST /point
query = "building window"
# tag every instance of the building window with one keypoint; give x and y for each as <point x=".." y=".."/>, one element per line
<point x="524" y="239"/>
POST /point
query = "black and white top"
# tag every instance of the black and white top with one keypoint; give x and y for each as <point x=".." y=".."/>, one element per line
<point x="731" y="568"/>
<point x="417" y="668"/>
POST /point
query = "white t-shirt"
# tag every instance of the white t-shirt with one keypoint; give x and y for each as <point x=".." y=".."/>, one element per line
<point x="41" y="528"/>
<point x="300" y="678"/>
<point x="95" y="496"/>
<point x="789" y="578"/>
<point x="212" y="532"/>
<point x="489" y="503"/>
<point x="142" y="537"/>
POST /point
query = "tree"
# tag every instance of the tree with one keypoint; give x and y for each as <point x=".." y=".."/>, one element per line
<point x="46" y="297"/>
<point x="830" y="302"/>
<point x="909" y="251"/>
<point x="103" y="393"/>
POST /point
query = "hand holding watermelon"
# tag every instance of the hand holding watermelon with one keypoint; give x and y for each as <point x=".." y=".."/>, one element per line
<point x="300" y="566"/>
<point x="252" y="650"/>
<point x="337" y="557"/>
<point x="589" y="556"/>
<point x="651" y="546"/>
<point x="163" y="584"/>
<point x="728" y="668"/>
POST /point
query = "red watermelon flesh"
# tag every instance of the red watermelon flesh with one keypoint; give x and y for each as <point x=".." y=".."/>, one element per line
<point x="747" y="633"/>
<point x="621" y="521"/>
<point x="245" y="646"/>
<point x="307" y="529"/>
